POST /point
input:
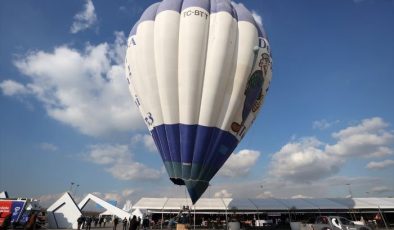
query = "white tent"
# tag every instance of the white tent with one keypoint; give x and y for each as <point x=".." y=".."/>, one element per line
<point x="109" y="207"/>
<point x="3" y="195"/>
<point x="127" y="206"/>
<point x="268" y="204"/>
<point x="63" y="213"/>
<point x="138" y="213"/>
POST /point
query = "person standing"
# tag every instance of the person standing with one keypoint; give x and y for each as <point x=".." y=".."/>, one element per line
<point x="124" y="223"/>
<point x="116" y="221"/>
<point x="133" y="223"/>
<point x="139" y="222"/>
<point x="145" y="223"/>
<point x="88" y="222"/>
<point x="31" y="224"/>
<point x="79" y="220"/>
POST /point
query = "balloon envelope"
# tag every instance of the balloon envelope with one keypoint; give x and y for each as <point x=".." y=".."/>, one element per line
<point x="198" y="71"/>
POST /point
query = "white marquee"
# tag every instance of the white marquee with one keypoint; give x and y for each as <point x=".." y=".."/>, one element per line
<point x="268" y="204"/>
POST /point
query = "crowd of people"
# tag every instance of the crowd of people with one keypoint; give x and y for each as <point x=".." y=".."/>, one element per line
<point x="133" y="223"/>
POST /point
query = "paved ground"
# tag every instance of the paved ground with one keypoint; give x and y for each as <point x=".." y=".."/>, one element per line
<point x="120" y="228"/>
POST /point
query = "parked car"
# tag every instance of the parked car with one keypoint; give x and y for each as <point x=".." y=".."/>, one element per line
<point x="336" y="223"/>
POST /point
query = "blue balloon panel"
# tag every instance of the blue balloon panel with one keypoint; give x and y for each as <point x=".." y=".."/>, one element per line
<point x="192" y="154"/>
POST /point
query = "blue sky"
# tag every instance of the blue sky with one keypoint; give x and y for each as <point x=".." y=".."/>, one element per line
<point x="67" y="114"/>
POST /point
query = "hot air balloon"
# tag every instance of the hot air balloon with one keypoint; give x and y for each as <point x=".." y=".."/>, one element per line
<point x="199" y="71"/>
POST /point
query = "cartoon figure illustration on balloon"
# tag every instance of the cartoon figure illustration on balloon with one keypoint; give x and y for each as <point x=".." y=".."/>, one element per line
<point x="253" y="93"/>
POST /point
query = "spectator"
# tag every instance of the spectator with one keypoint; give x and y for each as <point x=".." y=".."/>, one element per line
<point x="116" y="221"/>
<point x="88" y="223"/>
<point x="79" y="220"/>
<point x="133" y="223"/>
<point x="124" y="223"/>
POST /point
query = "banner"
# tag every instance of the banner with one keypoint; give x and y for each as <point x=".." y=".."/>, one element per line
<point x="5" y="209"/>
<point x="17" y="209"/>
<point x="13" y="207"/>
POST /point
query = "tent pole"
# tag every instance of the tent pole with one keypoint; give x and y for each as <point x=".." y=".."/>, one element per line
<point x="381" y="214"/>
<point x="194" y="224"/>
<point x="162" y="219"/>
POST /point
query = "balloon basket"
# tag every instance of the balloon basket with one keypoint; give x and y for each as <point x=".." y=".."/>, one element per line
<point x="182" y="227"/>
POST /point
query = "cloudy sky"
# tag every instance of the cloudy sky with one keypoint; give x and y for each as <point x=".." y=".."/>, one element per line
<point x="326" y="128"/>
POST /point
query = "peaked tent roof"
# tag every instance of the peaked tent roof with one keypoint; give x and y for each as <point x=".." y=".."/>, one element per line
<point x="3" y="195"/>
<point x="109" y="207"/>
<point x="63" y="213"/>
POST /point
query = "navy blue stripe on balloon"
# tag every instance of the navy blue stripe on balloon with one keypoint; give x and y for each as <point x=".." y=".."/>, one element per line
<point x="203" y="138"/>
<point x="187" y="137"/>
<point x="168" y="141"/>
<point x="162" y="136"/>
<point x="219" y="151"/>
<point x="156" y="139"/>
<point x="205" y="147"/>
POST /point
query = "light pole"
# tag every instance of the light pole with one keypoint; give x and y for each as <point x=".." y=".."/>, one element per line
<point x="350" y="190"/>
<point x="75" y="190"/>
<point x="262" y="192"/>
<point x="71" y="186"/>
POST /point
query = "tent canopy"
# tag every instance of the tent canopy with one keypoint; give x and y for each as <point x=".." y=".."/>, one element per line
<point x="267" y="204"/>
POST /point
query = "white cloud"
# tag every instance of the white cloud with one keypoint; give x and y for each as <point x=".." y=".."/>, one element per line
<point x="84" y="89"/>
<point x="265" y="194"/>
<point x="84" y="19"/>
<point x="147" y="141"/>
<point x="309" y="159"/>
<point x="11" y="88"/>
<point x="127" y="192"/>
<point x="118" y="161"/>
<point x="108" y="154"/>
<point x="324" y="124"/>
<point x="380" y="189"/>
<point x="239" y="164"/>
<point x="380" y="164"/>
<point x="48" y="199"/>
<point x="334" y="186"/>
<point x="222" y="194"/>
<point x="304" y="161"/>
<point x="300" y="196"/>
<point x="48" y="147"/>
<point x="133" y="170"/>
<point x="109" y="196"/>
<point x="367" y="139"/>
